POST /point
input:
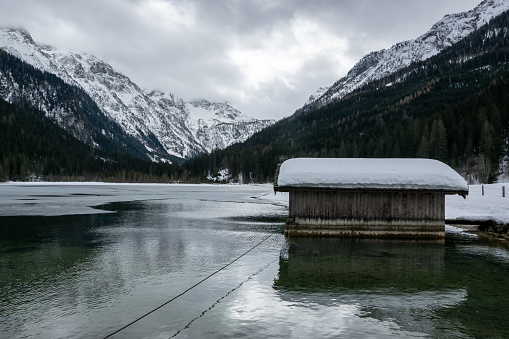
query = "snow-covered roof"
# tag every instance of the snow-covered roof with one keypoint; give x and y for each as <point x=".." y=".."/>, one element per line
<point x="382" y="174"/>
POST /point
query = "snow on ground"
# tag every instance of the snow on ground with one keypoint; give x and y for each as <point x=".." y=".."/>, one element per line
<point x="478" y="207"/>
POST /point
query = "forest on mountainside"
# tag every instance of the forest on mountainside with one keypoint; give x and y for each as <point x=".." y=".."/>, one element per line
<point x="33" y="148"/>
<point x="453" y="107"/>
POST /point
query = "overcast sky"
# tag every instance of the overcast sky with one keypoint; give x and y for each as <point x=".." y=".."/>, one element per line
<point x="266" y="57"/>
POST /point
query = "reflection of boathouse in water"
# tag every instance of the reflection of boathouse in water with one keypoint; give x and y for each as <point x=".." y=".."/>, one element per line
<point x="367" y="197"/>
<point x="362" y="285"/>
<point x="362" y="264"/>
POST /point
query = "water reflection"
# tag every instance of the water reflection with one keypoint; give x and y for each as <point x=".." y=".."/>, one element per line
<point x="401" y="284"/>
<point x="34" y="244"/>
<point x="328" y="264"/>
<point x="40" y="258"/>
<point x="65" y="276"/>
<point x="87" y="275"/>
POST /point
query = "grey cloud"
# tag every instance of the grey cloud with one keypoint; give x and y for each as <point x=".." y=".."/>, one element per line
<point x="194" y="62"/>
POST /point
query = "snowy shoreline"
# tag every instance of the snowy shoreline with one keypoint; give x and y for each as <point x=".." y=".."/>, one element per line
<point x="478" y="207"/>
<point x="102" y="183"/>
<point x="488" y="210"/>
<point x="478" y="212"/>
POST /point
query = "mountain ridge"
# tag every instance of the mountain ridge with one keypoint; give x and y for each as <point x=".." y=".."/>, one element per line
<point x="162" y="122"/>
<point x="67" y="106"/>
<point x="378" y="64"/>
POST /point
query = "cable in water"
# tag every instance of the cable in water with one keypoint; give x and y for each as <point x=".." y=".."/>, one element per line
<point x="190" y="288"/>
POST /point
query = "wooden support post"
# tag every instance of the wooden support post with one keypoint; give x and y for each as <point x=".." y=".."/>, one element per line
<point x="503" y="191"/>
<point x="482" y="189"/>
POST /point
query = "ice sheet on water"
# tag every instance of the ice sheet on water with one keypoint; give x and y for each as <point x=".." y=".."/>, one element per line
<point x="52" y="199"/>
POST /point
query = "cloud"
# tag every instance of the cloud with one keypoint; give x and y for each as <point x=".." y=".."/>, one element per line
<point x="283" y="53"/>
<point x="265" y="56"/>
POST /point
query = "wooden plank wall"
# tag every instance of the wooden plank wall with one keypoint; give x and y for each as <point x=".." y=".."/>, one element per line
<point x="367" y="205"/>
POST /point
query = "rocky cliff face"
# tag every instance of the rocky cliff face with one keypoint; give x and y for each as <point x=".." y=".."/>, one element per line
<point x="218" y="125"/>
<point x="377" y="65"/>
<point x="165" y="124"/>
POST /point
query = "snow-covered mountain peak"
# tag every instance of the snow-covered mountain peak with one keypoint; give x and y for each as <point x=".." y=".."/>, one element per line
<point x="376" y="65"/>
<point x="162" y="122"/>
<point x="219" y="111"/>
<point x="20" y="33"/>
<point x="18" y="42"/>
<point x="317" y="94"/>
<point x="169" y="98"/>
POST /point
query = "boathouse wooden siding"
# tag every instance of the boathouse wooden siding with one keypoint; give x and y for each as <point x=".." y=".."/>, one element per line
<point x="412" y="214"/>
<point x="367" y="205"/>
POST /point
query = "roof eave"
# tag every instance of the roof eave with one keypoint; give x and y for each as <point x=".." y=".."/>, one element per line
<point x="277" y="188"/>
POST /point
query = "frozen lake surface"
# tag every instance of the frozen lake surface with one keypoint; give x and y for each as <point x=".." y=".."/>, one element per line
<point x="84" y="260"/>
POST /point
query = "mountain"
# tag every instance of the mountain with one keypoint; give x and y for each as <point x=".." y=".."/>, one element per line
<point x="163" y="123"/>
<point x="452" y="107"/>
<point x="218" y="125"/>
<point x="71" y="108"/>
<point x="377" y="65"/>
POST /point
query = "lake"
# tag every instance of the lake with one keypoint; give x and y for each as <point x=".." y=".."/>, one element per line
<point x="83" y="261"/>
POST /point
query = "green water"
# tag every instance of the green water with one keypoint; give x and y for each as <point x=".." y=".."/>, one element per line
<point x="87" y="275"/>
<point x="458" y="288"/>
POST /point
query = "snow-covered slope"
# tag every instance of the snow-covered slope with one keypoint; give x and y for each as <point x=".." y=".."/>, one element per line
<point x="218" y="125"/>
<point x="376" y="65"/>
<point x="164" y="123"/>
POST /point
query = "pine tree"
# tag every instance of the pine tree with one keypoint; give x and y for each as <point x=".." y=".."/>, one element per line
<point x="438" y="141"/>
<point x="423" y="150"/>
<point x="342" y="149"/>
<point x="486" y="145"/>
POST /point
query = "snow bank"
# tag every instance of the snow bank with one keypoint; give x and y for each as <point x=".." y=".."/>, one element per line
<point x="393" y="174"/>
<point x="478" y="207"/>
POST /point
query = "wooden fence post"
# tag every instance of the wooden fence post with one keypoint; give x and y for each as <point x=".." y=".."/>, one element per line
<point x="482" y="189"/>
<point x="503" y="191"/>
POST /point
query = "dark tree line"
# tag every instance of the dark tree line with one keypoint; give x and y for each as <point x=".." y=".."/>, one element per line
<point x="32" y="147"/>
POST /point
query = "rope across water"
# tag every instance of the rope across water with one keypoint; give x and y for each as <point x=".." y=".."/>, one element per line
<point x="190" y="288"/>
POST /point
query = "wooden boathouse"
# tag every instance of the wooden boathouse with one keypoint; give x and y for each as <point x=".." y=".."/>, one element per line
<point x="403" y="198"/>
